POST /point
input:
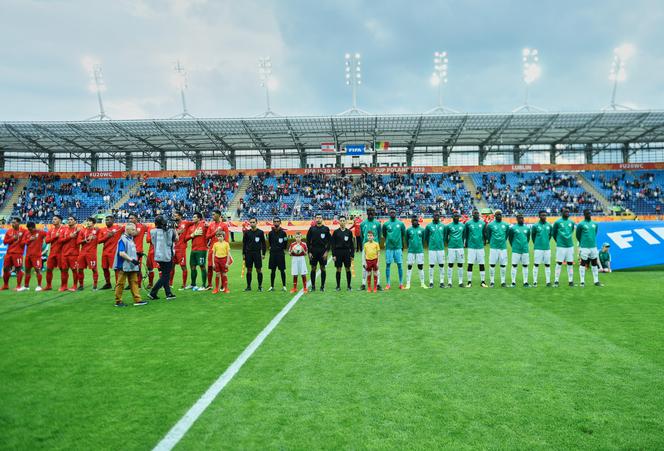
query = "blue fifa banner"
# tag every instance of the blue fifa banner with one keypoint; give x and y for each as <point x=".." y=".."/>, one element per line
<point x="355" y="149"/>
<point x="633" y="243"/>
<point x="3" y="248"/>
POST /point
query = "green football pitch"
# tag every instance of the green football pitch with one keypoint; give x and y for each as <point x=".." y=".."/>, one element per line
<point x="439" y="368"/>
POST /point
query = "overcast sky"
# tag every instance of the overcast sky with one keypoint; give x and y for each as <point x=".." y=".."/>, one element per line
<point x="45" y="44"/>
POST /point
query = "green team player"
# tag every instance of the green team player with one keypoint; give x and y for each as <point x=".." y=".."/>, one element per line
<point x="586" y="234"/>
<point x="454" y="241"/>
<point x="370" y="224"/>
<point x="434" y="239"/>
<point x="474" y="240"/>
<point x="415" y="242"/>
<point x="563" y="233"/>
<point x="519" y="238"/>
<point x="541" y="233"/>
<point x="496" y="235"/>
<point x="394" y="232"/>
<point x="605" y="258"/>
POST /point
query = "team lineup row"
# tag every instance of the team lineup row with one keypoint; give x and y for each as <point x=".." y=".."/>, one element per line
<point x="74" y="248"/>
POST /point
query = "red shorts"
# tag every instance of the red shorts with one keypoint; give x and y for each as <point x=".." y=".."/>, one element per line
<point x="87" y="261"/>
<point x="107" y="261"/>
<point x="372" y="265"/>
<point x="33" y="262"/>
<point x="13" y="261"/>
<point x="69" y="262"/>
<point x="53" y="261"/>
<point x="220" y="264"/>
<point x="181" y="257"/>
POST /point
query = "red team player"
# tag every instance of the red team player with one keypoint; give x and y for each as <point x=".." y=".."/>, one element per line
<point x="55" y="251"/>
<point x="69" y="260"/>
<point x="34" y="241"/>
<point x="141" y="230"/>
<point x="217" y="223"/>
<point x="88" y="239"/>
<point x="150" y="263"/>
<point x="109" y="237"/>
<point x="181" y="249"/>
<point x="15" y="239"/>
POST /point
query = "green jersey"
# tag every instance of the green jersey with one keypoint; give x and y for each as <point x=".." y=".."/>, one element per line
<point x="415" y="238"/>
<point x="563" y="231"/>
<point x="541" y="235"/>
<point x="454" y="235"/>
<point x="473" y="234"/>
<point x="519" y="237"/>
<point x="604" y="258"/>
<point x="370" y="226"/>
<point x="395" y="234"/>
<point x="586" y="234"/>
<point x="434" y="236"/>
<point x="496" y="234"/>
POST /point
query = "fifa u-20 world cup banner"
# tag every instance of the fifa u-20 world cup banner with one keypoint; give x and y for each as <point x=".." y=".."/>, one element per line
<point x="633" y="243"/>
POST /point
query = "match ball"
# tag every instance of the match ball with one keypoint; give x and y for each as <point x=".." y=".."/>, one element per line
<point x="298" y="249"/>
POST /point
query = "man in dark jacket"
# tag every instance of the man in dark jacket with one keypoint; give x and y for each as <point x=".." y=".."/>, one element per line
<point x="278" y="241"/>
<point x="343" y="251"/>
<point x="253" y="252"/>
<point x="318" y="242"/>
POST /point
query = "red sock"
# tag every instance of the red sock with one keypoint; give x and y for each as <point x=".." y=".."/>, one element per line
<point x="19" y="278"/>
<point x="27" y="278"/>
<point x="217" y="280"/>
<point x="369" y="281"/>
<point x="39" y="279"/>
<point x="5" y="276"/>
<point x="210" y="271"/>
<point x="49" y="277"/>
<point x="81" y="277"/>
<point x="375" y="282"/>
<point x="64" y="278"/>
<point x="224" y="281"/>
<point x="107" y="276"/>
<point x="151" y="277"/>
<point x="304" y="281"/>
<point x="184" y="276"/>
<point x="95" y="277"/>
<point x="172" y="276"/>
<point x="295" y="282"/>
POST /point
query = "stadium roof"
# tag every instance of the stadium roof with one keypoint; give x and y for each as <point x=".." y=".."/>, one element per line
<point x="306" y="133"/>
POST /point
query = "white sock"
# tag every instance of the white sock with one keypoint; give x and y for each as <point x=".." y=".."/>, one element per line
<point x="492" y="273"/>
<point x="378" y="277"/>
<point x="460" y="276"/>
<point x="582" y="274"/>
<point x="570" y="273"/>
<point x="482" y="273"/>
<point x="535" y="273"/>
<point x="408" y="274"/>
<point x="364" y="276"/>
<point x="547" y="273"/>
<point x="513" y="274"/>
<point x="595" y="271"/>
<point x="559" y="268"/>
<point x="524" y="273"/>
<point x="421" y="271"/>
<point x="430" y="274"/>
<point x="503" y="273"/>
<point x="441" y="269"/>
<point x="449" y="274"/>
<point x="469" y="275"/>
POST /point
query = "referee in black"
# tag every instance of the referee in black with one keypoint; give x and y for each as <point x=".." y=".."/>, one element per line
<point x="318" y="242"/>
<point x="278" y="241"/>
<point x="343" y="251"/>
<point x="253" y="252"/>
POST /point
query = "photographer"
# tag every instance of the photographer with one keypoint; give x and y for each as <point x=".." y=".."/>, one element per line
<point x="163" y="238"/>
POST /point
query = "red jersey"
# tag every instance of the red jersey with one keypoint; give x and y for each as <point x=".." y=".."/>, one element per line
<point x="356" y="226"/>
<point x="299" y="252"/>
<point x="148" y="239"/>
<point x="199" y="241"/>
<point x="182" y="229"/>
<point x="88" y="240"/>
<point x="140" y="236"/>
<point x="110" y="241"/>
<point x="53" y="238"/>
<point x="245" y="226"/>
<point x="16" y="240"/>
<point x="69" y="238"/>
<point x="35" y="243"/>
<point x="212" y="230"/>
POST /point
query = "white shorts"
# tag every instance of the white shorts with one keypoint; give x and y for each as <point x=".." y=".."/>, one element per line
<point x="476" y="256"/>
<point x="436" y="257"/>
<point x="565" y="254"/>
<point x="415" y="258"/>
<point x="455" y="255"/>
<point x="299" y="266"/>
<point x="588" y="253"/>
<point x="523" y="259"/>
<point x="498" y="256"/>
<point x="542" y="256"/>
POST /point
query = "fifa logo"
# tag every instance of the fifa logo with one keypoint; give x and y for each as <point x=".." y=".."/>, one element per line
<point x="623" y="238"/>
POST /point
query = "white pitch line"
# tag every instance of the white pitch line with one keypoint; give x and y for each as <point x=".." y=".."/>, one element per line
<point x="178" y="431"/>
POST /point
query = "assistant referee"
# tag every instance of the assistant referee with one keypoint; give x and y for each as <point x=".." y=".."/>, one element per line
<point x="253" y="252"/>
<point x="343" y="251"/>
<point x="318" y="242"/>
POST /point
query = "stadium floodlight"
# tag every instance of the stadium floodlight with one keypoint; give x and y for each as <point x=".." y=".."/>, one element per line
<point x="438" y="79"/>
<point x="266" y="81"/>
<point x="531" y="73"/>
<point x="182" y="84"/>
<point x="353" y="74"/>
<point x="618" y="74"/>
<point x="96" y="85"/>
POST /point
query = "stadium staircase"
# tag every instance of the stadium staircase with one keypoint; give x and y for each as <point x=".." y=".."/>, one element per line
<point x="239" y="195"/>
<point x="589" y="187"/>
<point x="131" y="191"/>
<point x="472" y="189"/>
<point x="8" y="208"/>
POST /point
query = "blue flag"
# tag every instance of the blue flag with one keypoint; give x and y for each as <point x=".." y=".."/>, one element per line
<point x="355" y="149"/>
<point x="633" y="243"/>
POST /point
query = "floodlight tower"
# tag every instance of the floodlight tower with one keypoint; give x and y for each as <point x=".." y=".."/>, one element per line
<point x="265" y="75"/>
<point x="98" y="86"/>
<point x="618" y="74"/>
<point x="438" y="79"/>
<point x="181" y="81"/>
<point x="531" y="72"/>
<point x="353" y="69"/>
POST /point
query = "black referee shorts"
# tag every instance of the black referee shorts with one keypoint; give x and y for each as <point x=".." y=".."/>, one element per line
<point x="341" y="258"/>
<point x="277" y="261"/>
<point x="253" y="259"/>
<point x="316" y="258"/>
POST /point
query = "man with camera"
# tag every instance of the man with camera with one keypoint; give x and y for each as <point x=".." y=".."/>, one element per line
<point x="162" y="238"/>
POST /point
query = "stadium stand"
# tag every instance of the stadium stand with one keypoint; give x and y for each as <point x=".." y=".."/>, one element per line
<point x="269" y="195"/>
<point x="530" y="192"/>
<point x="6" y="189"/>
<point x="637" y="191"/>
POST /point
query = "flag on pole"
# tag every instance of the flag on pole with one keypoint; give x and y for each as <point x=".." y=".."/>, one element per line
<point x="382" y="145"/>
<point x="328" y="147"/>
<point x="355" y="149"/>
